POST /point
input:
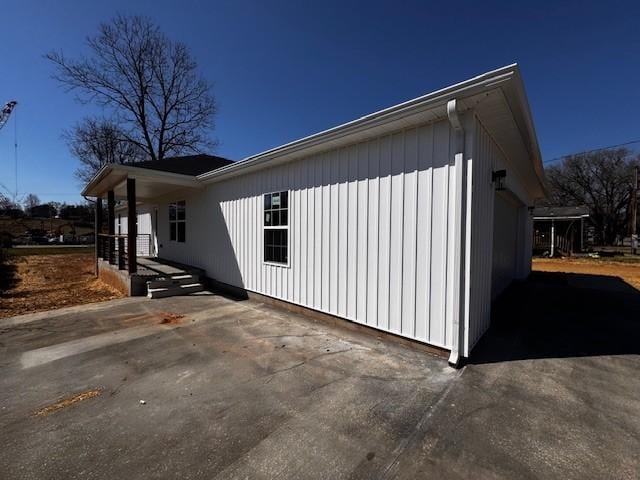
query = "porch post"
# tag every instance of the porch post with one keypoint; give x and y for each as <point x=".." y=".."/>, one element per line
<point x="97" y="229"/>
<point x="111" y="203"/>
<point x="553" y="238"/>
<point x="132" y="231"/>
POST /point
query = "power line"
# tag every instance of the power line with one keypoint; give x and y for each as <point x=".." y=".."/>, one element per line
<point x="556" y="159"/>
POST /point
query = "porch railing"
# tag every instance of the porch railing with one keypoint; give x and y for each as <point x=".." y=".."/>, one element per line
<point x="114" y="248"/>
<point x="542" y="241"/>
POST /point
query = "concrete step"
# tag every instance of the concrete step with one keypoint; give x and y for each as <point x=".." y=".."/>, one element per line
<point x="173" y="280"/>
<point x="175" y="290"/>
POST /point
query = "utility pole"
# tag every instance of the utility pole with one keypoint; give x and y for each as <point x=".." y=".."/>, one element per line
<point x="634" y="212"/>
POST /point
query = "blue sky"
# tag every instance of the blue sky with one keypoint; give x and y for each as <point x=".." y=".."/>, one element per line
<point x="283" y="70"/>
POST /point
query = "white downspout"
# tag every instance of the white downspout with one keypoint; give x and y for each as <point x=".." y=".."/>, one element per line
<point x="458" y="233"/>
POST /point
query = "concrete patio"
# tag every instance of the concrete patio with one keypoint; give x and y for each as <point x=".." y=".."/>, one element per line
<point x="242" y="390"/>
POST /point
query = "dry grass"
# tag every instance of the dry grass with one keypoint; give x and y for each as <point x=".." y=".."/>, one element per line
<point x="629" y="272"/>
<point x="45" y="282"/>
<point x="65" y="402"/>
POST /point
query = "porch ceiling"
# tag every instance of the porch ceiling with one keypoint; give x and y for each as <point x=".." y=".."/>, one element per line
<point x="149" y="184"/>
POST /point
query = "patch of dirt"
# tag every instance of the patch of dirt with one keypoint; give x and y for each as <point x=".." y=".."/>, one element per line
<point x="45" y="282"/>
<point x="629" y="272"/>
<point x="65" y="402"/>
<point x="170" y="318"/>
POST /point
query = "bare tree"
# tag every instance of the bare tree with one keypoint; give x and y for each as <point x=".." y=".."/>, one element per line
<point x="5" y="202"/>
<point x="30" y="201"/>
<point x="601" y="180"/>
<point x="150" y="84"/>
<point x="96" y="142"/>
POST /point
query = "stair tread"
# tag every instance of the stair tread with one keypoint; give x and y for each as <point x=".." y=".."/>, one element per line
<point x="175" y="287"/>
<point x="174" y="278"/>
<point x="174" y="290"/>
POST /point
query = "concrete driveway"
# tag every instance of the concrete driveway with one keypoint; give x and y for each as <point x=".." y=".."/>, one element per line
<point x="241" y="390"/>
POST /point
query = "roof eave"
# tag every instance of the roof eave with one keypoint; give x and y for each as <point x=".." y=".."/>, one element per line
<point x="531" y="131"/>
<point x="91" y="190"/>
<point x="425" y="102"/>
<point x="95" y="180"/>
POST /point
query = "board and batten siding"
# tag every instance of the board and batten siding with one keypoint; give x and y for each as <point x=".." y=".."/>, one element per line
<point x="499" y="241"/>
<point x="485" y="155"/>
<point x="369" y="232"/>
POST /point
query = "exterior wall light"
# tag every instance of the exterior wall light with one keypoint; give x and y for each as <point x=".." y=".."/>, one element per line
<point x="497" y="177"/>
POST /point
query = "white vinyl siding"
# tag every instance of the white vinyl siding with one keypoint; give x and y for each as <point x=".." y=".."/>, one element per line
<point x="493" y="262"/>
<point x="505" y="244"/>
<point x="480" y="239"/>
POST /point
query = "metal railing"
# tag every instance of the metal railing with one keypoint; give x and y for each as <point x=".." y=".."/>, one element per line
<point x="143" y="245"/>
<point x="115" y="250"/>
<point x="542" y="241"/>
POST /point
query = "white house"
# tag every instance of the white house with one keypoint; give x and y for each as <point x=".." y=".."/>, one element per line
<point x="409" y="220"/>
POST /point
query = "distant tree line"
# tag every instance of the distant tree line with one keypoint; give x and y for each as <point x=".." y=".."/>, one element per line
<point x="32" y="207"/>
<point x="601" y="180"/>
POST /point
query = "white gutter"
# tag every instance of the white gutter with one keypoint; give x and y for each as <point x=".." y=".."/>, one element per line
<point x="397" y="112"/>
<point x="458" y="234"/>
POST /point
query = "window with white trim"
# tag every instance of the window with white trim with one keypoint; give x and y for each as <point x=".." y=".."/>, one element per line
<point x="276" y="228"/>
<point x="177" y="221"/>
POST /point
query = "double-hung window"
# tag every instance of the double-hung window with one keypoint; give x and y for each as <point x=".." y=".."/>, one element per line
<point x="177" y="221"/>
<point x="276" y="228"/>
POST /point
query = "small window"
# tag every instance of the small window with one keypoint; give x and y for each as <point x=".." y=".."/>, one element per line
<point x="276" y="228"/>
<point x="177" y="221"/>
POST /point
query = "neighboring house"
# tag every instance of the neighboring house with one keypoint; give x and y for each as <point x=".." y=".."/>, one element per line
<point x="561" y="230"/>
<point x="409" y="220"/>
<point x="43" y="211"/>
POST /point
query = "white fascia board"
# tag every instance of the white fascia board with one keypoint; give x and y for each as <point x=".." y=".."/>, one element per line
<point x="88" y="190"/>
<point x="522" y="105"/>
<point x="440" y="97"/>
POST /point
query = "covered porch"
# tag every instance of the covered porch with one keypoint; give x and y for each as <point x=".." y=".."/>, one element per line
<point x="128" y="259"/>
<point x="559" y="230"/>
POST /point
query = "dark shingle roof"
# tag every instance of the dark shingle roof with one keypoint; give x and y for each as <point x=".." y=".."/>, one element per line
<point x="560" y="212"/>
<point x="185" y="165"/>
